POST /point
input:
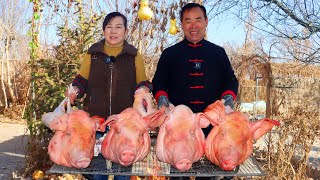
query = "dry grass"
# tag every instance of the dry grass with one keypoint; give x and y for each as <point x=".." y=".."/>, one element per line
<point x="295" y="98"/>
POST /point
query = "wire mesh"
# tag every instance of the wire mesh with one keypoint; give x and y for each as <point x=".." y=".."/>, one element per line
<point x="151" y="166"/>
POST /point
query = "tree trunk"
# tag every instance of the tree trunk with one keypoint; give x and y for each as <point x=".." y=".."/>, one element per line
<point x="8" y="69"/>
<point x="3" y="87"/>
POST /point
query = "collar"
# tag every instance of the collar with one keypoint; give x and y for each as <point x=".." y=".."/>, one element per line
<point x="108" y="45"/>
<point x="194" y="45"/>
<point x="99" y="48"/>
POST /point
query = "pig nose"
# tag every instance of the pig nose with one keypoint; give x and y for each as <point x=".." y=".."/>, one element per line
<point x="127" y="156"/>
<point x="228" y="165"/>
<point x="183" y="164"/>
<point x="82" y="163"/>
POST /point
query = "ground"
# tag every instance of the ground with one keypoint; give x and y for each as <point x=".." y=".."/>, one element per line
<point x="13" y="140"/>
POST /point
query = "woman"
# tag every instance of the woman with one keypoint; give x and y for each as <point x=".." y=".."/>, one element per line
<point x="110" y="72"/>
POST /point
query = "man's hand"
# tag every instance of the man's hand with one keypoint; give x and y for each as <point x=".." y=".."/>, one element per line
<point x="146" y="85"/>
<point x="72" y="93"/>
<point x="145" y="88"/>
<point x="163" y="101"/>
<point x="228" y="103"/>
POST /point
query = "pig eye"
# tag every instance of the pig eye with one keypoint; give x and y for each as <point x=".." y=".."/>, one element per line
<point x="244" y="142"/>
<point x="141" y="134"/>
<point x="141" y="139"/>
<point x="169" y="132"/>
<point x="117" y="130"/>
<point x="193" y="135"/>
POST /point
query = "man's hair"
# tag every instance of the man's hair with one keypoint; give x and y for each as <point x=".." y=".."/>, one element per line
<point x="190" y="6"/>
<point x="111" y="16"/>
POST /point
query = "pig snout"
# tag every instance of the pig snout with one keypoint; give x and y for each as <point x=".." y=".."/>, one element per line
<point x="228" y="165"/>
<point x="80" y="158"/>
<point x="127" y="157"/>
<point x="183" y="164"/>
<point x="127" y="153"/>
<point x="182" y="156"/>
<point x="229" y="159"/>
<point x="82" y="162"/>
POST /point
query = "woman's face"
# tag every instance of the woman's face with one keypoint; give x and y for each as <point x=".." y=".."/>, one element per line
<point x="115" y="31"/>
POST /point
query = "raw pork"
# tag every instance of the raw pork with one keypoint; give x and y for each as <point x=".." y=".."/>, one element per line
<point x="73" y="142"/>
<point x="229" y="143"/>
<point x="180" y="141"/>
<point x="128" y="140"/>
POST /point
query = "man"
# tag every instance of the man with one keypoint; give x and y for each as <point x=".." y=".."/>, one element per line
<point x="195" y="72"/>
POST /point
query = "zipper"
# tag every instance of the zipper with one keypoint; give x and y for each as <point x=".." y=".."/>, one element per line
<point x="111" y="66"/>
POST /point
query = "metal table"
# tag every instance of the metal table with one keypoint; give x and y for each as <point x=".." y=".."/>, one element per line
<point x="151" y="166"/>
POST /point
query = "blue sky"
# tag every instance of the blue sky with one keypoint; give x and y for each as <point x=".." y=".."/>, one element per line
<point x="221" y="30"/>
<point x="220" y="33"/>
<point x="226" y="32"/>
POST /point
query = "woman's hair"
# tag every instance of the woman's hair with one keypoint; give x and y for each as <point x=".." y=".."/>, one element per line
<point x="111" y="16"/>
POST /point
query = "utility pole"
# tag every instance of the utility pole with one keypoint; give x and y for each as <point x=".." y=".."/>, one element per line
<point x="256" y="97"/>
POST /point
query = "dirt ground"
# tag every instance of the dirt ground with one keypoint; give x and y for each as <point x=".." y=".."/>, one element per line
<point x="13" y="140"/>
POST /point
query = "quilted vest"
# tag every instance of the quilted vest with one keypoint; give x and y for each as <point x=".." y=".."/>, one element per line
<point x="111" y="85"/>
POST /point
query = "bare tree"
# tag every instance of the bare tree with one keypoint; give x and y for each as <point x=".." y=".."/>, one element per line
<point x="280" y="21"/>
<point x="11" y="36"/>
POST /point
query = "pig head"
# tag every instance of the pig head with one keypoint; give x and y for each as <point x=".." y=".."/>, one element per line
<point x="128" y="140"/>
<point x="73" y="142"/>
<point x="230" y="142"/>
<point x="180" y="140"/>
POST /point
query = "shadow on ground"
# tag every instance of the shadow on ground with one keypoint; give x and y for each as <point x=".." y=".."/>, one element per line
<point x="12" y="155"/>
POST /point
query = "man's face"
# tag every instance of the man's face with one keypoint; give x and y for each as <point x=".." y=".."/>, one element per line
<point x="194" y="24"/>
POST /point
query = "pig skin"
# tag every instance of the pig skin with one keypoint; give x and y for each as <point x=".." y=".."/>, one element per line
<point x="180" y="140"/>
<point x="128" y="140"/>
<point x="230" y="142"/>
<point x="73" y="142"/>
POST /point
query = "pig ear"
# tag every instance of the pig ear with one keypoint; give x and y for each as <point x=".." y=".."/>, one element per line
<point x="98" y="122"/>
<point x="203" y="120"/>
<point x="156" y="119"/>
<point x="216" y="107"/>
<point x="261" y="127"/>
<point x="47" y="119"/>
<point x="59" y="123"/>
<point x="215" y="112"/>
<point x="111" y="119"/>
